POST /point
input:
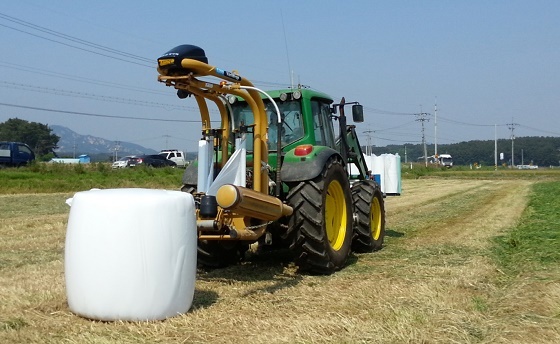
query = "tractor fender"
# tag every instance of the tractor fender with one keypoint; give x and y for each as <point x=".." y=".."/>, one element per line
<point x="298" y="169"/>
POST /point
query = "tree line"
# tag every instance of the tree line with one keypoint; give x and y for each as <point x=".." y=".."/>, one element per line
<point x="541" y="151"/>
<point x="38" y="136"/>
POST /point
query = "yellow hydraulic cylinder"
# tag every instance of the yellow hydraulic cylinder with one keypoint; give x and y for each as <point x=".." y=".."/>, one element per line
<point x="251" y="203"/>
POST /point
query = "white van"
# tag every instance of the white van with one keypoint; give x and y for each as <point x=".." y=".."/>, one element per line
<point x="174" y="155"/>
<point x="446" y="160"/>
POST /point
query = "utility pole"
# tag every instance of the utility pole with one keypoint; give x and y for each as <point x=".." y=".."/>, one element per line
<point x="423" y="117"/>
<point x="511" y="126"/>
<point x="435" y="127"/>
<point x="369" y="149"/>
<point x="117" y="148"/>
<point x="405" y="161"/>
<point x="495" y="148"/>
<point x="166" y="141"/>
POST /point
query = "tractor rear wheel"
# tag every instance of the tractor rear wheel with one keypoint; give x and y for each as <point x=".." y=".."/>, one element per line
<point x="321" y="225"/>
<point x="369" y="208"/>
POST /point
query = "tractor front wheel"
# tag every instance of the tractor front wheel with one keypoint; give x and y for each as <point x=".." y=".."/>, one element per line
<point x="321" y="225"/>
<point x="370" y="214"/>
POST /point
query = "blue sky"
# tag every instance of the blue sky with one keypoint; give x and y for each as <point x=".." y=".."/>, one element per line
<point x="486" y="63"/>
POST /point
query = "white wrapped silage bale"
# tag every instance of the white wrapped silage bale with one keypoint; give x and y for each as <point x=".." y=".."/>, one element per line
<point x="130" y="254"/>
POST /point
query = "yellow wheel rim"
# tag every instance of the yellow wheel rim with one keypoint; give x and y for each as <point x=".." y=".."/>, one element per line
<point x="335" y="215"/>
<point x="375" y="218"/>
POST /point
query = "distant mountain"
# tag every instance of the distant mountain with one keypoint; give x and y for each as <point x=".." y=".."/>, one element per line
<point x="72" y="142"/>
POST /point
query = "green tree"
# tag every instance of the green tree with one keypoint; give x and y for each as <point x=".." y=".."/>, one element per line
<point x="37" y="135"/>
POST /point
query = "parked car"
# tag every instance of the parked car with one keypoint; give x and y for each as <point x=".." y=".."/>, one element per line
<point x="15" y="154"/>
<point x="122" y="162"/>
<point x="174" y="155"/>
<point x="152" y="160"/>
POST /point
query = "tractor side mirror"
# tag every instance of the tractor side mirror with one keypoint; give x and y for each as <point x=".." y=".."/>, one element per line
<point x="357" y="113"/>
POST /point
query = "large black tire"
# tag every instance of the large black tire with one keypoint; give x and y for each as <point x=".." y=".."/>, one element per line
<point x="369" y="208"/>
<point x="320" y="228"/>
<point x="220" y="253"/>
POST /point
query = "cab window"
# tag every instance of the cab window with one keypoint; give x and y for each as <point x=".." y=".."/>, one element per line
<point x="23" y="149"/>
<point x="292" y="122"/>
<point x="322" y="123"/>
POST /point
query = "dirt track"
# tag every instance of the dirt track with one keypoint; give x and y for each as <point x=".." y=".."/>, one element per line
<point x="459" y="211"/>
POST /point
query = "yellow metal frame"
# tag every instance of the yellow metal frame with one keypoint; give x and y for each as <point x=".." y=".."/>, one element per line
<point x="204" y="90"/>
<point x="239" y="224"/>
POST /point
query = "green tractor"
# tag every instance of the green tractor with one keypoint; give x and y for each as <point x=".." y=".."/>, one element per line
<point x="276" y="170"/>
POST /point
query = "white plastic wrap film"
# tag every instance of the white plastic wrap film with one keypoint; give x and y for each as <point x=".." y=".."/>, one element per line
<point x="354" y="170"/>
<point x="388" y="167"/>
<point x="205" y="171"/>
<point x="241" y="179"/>
<point x="391" y="176"/>
<point x="399" y="177"/>
<point x="378" y="167"/>
<point x="369" y="163"/>
<point x="130" y="254"/>
<point x="233" y="171"/>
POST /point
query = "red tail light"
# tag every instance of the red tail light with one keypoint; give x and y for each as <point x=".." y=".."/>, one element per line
<point x="303" y="150"/>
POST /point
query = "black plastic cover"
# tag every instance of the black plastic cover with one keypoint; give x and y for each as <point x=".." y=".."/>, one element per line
<point x="171" y="60"/>
<point x="208" y="206"/>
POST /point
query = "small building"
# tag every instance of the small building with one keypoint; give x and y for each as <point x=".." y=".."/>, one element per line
<point x="82" y="159"/>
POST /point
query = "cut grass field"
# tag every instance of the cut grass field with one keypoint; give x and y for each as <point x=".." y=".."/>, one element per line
<point x="49" y="178"/>
<point x="465" y="260"/>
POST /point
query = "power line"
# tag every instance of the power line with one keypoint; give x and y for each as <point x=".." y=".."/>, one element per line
<point x="116" y="52"/>
<point x="385" y="112"/>
<point x="399" y="133"/>
<point x="106" y="51"/>
<point x="75" y="47"/>
<point x="470" y="124"/>
<point x="74" y="94"/>
<point x="542" y="131"/>
<point x="99" y="115"/>
<point x="397" y="126"/>
<point x="82" y="79"/>
<point x="393" y="140"/>
<point x="72" y="38"/>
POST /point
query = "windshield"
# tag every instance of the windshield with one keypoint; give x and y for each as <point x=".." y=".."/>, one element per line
<point x="292" y="121"/>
